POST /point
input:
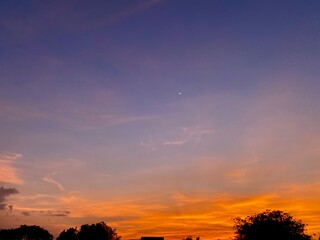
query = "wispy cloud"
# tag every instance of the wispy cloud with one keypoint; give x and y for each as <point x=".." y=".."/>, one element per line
<point x="72" y="114"/>
<point x="179" y="137"/>
<point x="63" y="213"/>
<point x="49" y="179"/>
<point x="8" y="173"/>
<point x="174" y="142"/>
<point x="26" y="214"/>
<point x="189" y="134"/>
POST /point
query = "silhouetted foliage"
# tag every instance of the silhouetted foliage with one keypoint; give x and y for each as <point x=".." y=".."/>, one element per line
<point x="25" y="233"/>
<point x="152" y="238"/>
<point x="270" y="225"/>
<point x="69" y="234"/>
<point x="98" y="231"/>
<point x="190" y="238"/>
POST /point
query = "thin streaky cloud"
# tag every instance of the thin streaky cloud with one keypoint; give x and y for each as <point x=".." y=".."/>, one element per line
<point x="32" y="209"/>
<point x="83" y="120"/>
<point x="49" y="179"/>
<point x="26" y="214"/>
<point x="174" y="142"/>
<point x="64" y="213"/>
<point x="189" y="134"/>
<point x="36" y="197"/>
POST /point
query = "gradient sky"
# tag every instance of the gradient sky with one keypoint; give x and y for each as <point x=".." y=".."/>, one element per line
<point x="159" y="117"/>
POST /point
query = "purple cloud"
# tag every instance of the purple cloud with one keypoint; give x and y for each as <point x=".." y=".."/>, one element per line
<point x="4" y="193"/>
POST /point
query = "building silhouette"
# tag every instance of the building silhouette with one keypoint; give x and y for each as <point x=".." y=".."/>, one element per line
<point x="152" y="238"/>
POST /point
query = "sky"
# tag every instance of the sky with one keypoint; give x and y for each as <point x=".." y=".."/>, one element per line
<point x="159" y="117"/>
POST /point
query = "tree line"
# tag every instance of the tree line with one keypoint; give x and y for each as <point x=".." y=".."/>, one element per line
<point x="268" y="225"/>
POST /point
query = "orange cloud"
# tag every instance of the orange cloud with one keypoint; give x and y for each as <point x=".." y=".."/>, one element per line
<point x="8" y="173"/>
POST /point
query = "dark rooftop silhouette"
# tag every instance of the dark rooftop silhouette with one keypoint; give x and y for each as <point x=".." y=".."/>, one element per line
<point x="152" y="238"/>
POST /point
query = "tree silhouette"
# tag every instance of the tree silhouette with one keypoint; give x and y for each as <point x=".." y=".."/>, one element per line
<point x="190" y="238"/>
<point x="98" y="231"/>
<point x="26" y="233"/>
<point x="270" y="225"/>
<point x="69" y="234"/>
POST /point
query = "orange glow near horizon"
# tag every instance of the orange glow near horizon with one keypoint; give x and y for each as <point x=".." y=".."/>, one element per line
<point x="210" y="217"/>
